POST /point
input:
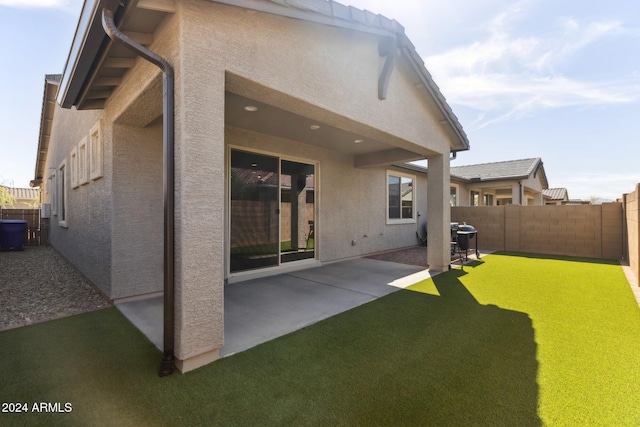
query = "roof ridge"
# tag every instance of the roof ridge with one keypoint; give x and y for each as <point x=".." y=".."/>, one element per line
<point x="498" y="162"/>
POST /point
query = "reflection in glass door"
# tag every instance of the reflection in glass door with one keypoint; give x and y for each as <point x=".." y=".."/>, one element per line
<point x="272" y="211"/>
<point x="297" y="206"/>
<point x="254" y="237"/>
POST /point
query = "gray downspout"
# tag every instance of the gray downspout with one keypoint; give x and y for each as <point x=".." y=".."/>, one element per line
<point x="167" y="364"/>
<point x="520" y="193"/>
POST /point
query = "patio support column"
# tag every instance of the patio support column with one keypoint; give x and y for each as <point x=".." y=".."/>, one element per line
<point x="200" y="195"/>
<point x="517" y="196"/>
<point x="438" y="214"/>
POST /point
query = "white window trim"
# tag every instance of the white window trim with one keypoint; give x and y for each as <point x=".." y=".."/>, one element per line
<point x="83" y="158"/>
<point x="54" y="192"/>
<point x="62" y="185"/>
<point x="96" y="152"/>
<point x="471" y="197"/>
<point x="74" y="168"/>
<point x="484" y="196"/>
<point x="457" y="187"/>
<point x="394" y="221"/>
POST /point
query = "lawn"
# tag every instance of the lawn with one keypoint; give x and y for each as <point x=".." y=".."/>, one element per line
<point x="512" y="340"/>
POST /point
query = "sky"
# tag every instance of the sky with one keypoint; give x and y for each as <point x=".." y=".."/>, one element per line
<point x="556" y="79"/>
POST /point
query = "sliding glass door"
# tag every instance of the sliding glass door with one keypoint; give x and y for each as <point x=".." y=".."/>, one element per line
<point x="297" y="201"/>
<point x="272" y="211"/>
<point x="254" y="237"/>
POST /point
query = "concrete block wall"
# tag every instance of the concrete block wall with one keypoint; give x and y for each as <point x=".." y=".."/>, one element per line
<point x="593" y="231"/>
<point x="490" y="219"/>
<point x="632" y="217"/>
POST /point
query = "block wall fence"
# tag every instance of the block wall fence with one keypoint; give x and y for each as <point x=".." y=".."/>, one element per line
<point x="593" y="231"/>
<point x="631" y="202"/>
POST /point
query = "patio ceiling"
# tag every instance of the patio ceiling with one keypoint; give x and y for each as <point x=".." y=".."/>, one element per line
<point x="249" y="114"/>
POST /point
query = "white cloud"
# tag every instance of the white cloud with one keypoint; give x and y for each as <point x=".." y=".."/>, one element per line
<point x="511" y="74"/>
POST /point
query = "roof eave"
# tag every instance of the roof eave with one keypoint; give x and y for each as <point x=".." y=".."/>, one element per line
<point x="51" y="84"/>
<point x="87" y="40"/>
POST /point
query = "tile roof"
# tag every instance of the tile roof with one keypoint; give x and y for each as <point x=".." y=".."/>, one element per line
<point x="511" y="169"/>
<point x="22" y="193"/>
<point x="556" y="194"/>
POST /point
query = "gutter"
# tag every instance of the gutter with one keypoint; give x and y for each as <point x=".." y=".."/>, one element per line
<point x="168" y="135"/>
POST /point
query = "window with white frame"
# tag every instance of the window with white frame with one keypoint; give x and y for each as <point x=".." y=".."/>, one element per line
<point x="475" y="198"/>
<point x="54" y="192"/>
<point x="62" y="193"/>
<point x="453" y="195"/>
<point x="74" y="168"/>
<point x="400" y="197"/>
<point x="95" y="152"/>
<point x="83" y="153"/>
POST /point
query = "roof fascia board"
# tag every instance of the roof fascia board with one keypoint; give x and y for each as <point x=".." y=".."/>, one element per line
<point x="282" y="9"/>
<point x="86" y="43"/>
<point x="51" y="84"/>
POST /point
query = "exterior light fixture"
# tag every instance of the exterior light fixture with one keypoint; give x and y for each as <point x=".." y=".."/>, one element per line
<point x="359" y="141"/>
<point x="314" y="127"/>
<point x="251" y="108"/>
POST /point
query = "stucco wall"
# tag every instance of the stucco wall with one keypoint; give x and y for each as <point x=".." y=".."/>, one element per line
<point x="531" y="191"/>
<point x="138" y="216"/>
<point x="316" y="63"/>
<point x="86" y="240"/>
<point x="593" y="231"/>
<point x="632" y="213"/>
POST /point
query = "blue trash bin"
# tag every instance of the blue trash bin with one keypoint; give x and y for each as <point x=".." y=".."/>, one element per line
<point x="12" y="233"/>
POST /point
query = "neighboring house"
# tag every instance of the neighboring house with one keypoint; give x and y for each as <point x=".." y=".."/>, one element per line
<point x="21" y="198"/>
<point x="517" y="182"/>
<point x="555" y="196"/>
<point x="289" y="118"/>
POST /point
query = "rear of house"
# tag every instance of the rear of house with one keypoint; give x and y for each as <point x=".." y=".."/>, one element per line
<point x="289" y="118"/>
<point x="511" y="182"/>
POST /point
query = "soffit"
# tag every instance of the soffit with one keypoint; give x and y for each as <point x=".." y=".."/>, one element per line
<point x="111" y="61"/>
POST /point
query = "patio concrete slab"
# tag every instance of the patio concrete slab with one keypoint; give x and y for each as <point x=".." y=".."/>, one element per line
<point x="147" y="315"/>
<point x="259" y="310"/>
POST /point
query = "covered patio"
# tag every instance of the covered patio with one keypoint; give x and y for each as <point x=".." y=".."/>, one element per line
<point x="259" y="310"/>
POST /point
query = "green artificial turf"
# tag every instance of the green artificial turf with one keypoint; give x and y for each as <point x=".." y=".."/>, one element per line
<point x="512" y="340"/>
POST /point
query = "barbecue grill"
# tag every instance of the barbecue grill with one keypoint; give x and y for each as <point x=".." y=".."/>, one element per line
<point x="461" y="237"/>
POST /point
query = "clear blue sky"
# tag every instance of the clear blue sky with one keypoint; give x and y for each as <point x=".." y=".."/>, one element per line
<point x="553" y="79"/>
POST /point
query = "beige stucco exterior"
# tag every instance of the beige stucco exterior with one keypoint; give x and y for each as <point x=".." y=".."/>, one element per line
<point x="525" y="192"/>
<point x="489" y="188"/>
<point x="324" y="73"/>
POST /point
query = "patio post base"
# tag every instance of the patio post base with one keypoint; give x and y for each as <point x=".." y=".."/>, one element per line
<point x="198" y="361"/>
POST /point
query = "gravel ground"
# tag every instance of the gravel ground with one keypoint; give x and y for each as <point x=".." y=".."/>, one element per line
<point x="37" y="285"/>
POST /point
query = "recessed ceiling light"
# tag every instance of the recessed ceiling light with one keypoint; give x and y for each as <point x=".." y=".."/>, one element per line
<point x="358" y="141"/>
<point x="251" y="108"/>
<point x="314" y="127"/>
